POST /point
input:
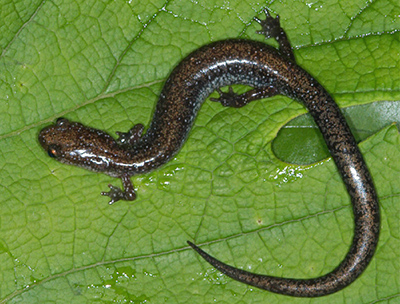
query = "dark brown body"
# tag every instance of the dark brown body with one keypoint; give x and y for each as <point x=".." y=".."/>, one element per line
<point x="269" y="72"/>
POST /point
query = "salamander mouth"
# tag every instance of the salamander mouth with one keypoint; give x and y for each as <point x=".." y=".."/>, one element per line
<point x="47" y="137"/>
<point x="42" y="139"/>
<point x="48" y="134"/>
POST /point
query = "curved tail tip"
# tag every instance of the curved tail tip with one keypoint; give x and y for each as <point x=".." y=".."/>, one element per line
<point x="192" y="245"/>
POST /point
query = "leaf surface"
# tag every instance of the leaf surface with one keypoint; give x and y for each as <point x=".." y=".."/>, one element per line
<point x="103" y="63"/>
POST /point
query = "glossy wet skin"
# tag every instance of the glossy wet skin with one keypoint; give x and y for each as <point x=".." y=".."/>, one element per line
<point x="222" y="63"/>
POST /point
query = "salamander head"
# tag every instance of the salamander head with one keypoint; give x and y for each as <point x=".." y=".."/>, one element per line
<point x="75" y="144"/>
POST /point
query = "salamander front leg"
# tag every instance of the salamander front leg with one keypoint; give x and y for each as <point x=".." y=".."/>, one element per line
<point x="232" y="99"/>
<point x="130" y="137"/>
<point x="117" y="194"/>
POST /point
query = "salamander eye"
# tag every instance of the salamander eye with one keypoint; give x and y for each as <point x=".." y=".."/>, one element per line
<point x="61" y="121"/>
<point x="53" y="151"/>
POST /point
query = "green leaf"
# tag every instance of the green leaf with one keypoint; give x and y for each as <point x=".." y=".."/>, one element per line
<point x="103" y="63"/>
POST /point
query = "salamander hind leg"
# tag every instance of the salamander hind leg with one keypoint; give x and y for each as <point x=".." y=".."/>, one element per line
<point x="232" y="99"/>
<point x="116" y="193"/>
<point x="271" y="28"/>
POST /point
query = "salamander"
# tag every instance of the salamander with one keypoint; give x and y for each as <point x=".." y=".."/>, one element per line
<point x="269" y="71"/>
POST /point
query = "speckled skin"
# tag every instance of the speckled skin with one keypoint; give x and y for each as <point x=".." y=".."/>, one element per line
<point x="219" y="64"/>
